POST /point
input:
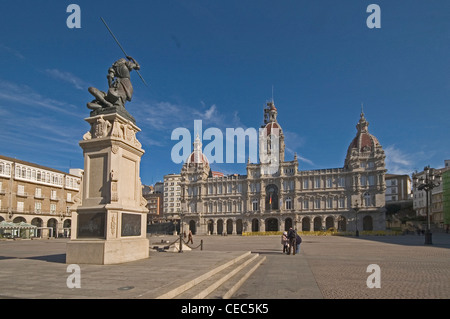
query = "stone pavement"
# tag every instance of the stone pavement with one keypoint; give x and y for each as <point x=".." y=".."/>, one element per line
<point x="327" y="267"/>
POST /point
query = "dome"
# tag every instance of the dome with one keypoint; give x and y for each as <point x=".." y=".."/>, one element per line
<point x="364" y="141"/>
<point x="196" y="158"/>
<point x="271" y="126"/>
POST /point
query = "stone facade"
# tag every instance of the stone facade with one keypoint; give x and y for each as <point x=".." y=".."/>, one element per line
<point x="38" y="195"/>
<point x="268" y="199"/>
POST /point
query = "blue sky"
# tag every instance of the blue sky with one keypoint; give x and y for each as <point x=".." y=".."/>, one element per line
<point x="217" y="61"/>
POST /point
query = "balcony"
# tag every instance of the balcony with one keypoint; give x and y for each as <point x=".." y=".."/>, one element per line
<point x="22" y="194"/>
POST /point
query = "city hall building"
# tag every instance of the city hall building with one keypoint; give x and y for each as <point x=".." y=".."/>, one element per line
<point x="347" y="199"/>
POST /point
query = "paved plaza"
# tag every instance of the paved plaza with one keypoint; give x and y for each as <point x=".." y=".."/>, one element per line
<point x="328" y="267"/>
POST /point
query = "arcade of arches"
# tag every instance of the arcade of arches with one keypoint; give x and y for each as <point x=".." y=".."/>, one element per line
<point x="46" y="227"/>
<point x="236" y="226"/>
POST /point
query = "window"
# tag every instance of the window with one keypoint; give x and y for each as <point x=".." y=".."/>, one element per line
<point x="341" y="202"/>
<point x="239" y="188"/>
<point x="38" y="192"/>
<point x="363" y="165"/>
<point x="255" y="205"/>
<point x="210" y="207"/>
<point x="53" y="194"/>
<point x="341" y="182"/>
<point x="1" y="187"/>
<point x="317" y="203"/>
<point x="317" y="182"/>
<point x="306" y="184"/>
<point x="329" y="203"/>
<point x="306" y="204"/>
<point x="370" y="164"/>
<point x="230" y="188"/>
<point x="239" y="207"/>
<point x="363" y="180"/>
<point x="371" y="180"/>
<point x="219" y="189"/>
<point x="219" y="207"/>
<point x="20" y="190"/>
<point x="37" y="207"/>
<point x="20" y="206"/>
<point x="367" y="199"/>
<point x="53" y="209"/>
<point x="288" y="203"/>
<point x="69" y="197"/>
<point x="329" y="182"/>
<point x="230" y="207"/>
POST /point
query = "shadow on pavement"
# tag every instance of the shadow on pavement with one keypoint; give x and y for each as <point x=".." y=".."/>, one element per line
<point x="440" y="240"/>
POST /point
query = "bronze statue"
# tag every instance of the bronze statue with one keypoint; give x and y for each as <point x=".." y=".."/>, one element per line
<point x="120" y="88"/>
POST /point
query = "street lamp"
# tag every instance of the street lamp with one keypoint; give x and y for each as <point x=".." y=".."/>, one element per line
<point x="181" y="232"/>
<point x="426" y="182"/>
<point x="356" y="209"/>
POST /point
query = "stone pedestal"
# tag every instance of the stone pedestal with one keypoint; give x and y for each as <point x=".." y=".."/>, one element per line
<point x="109" y="226"/>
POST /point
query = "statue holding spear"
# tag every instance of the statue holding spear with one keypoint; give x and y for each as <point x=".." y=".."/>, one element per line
<point x="120" y="89"/>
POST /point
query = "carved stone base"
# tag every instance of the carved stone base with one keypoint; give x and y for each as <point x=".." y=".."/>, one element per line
<point x="122" y="111"/>
<point x="110" y="224"/>
<point x="106" y="252"/>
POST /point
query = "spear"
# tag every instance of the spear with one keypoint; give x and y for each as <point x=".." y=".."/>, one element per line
<point x="117" y="41"/>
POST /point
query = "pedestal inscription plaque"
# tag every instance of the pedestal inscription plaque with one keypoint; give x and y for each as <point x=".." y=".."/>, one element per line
<point x="91" y="225"/>
<point x="131" y="225"/>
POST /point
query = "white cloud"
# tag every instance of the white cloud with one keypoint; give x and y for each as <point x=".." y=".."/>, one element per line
<point x="397" y="161"/>
<point x="12" y="51"/>
<point x="23" y="94"/>
<point x="67" y="77"/>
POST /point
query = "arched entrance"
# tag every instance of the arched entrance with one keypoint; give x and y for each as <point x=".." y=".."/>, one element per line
<point x="67" y="227"/>
<point x="219" y="227"/>
<point x="255" y="225"/>
<point x="239" y="227"/>
<point x="229" y="227"/>
<point x="271" y="197"/>
<point x="52" y="222"/>
<point x="287" y="224"/>
<point x="192" y="227"/>
<point x="19" y="219"/>
<point x="367" y="223"/>
<point x="306" y="224"/>
<point x="272" y="224"/>
<point x="329" y="222"/>
<point x="342" y="223"/>
<point x="210" y="227"/>
<point x="38" y="223"/>
<point x="317" y="223"/>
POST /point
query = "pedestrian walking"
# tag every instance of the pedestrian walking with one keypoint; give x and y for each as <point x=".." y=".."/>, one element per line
<point x="291" y="236"/>
<point x="298" y="241"/>
<point x="190" y="237"/>
<point x="284" y="242"/>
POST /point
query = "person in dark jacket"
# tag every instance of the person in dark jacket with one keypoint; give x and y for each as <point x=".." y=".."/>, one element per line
<point x="298" y="241"/>
<point x="291" y="237"/>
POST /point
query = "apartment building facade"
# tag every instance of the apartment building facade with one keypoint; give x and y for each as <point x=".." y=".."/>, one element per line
<point x="38" y="195"/>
